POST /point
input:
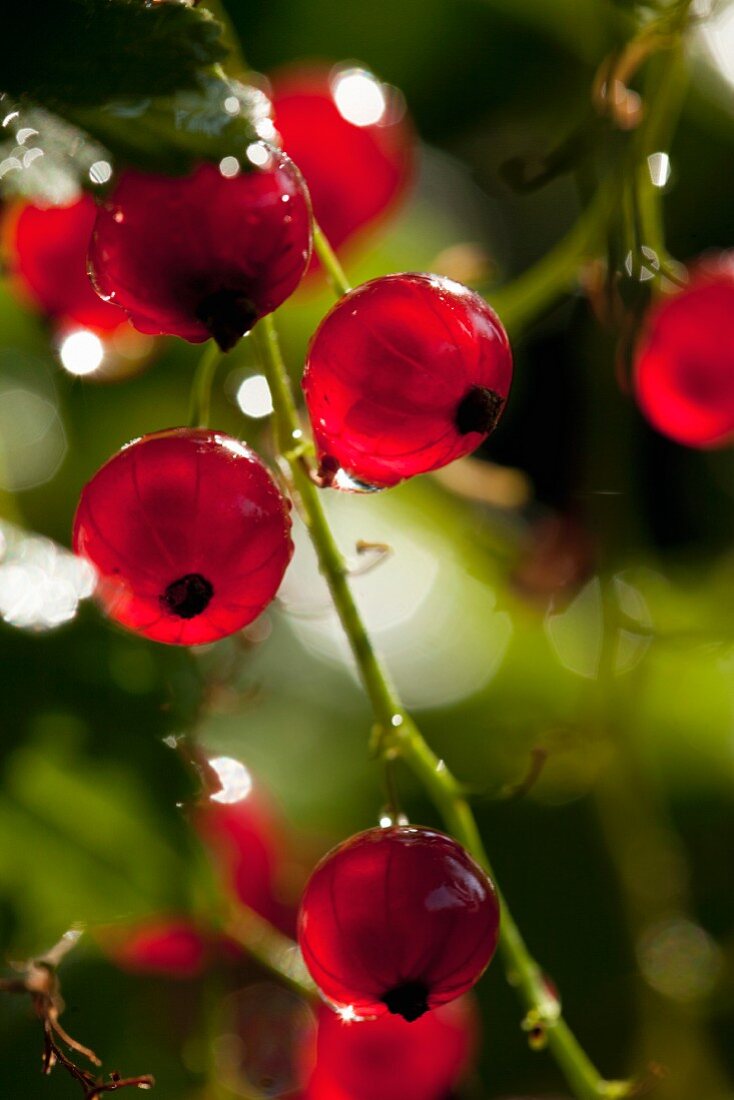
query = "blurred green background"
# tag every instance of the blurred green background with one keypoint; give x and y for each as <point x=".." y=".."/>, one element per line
<point x="577" y="610"/>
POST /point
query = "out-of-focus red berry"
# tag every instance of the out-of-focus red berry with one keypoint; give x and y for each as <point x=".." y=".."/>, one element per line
<point x="206" y="254"/>
<point x="189" y="534"/>
<point x="347" y="133"/>
<point x="46" y="250"/>
<point x="404" y="375"/>
<point x="399" y="919"/>
<point x="392" y="1059"/>
<point x="167" y="946"/>
<point x="245" y="839"/>
<point x="684" y="371"/>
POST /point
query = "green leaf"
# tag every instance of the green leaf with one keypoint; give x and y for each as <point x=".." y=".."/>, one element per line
<point x="89" y="790"/>
<point x="85" y="52"/>
<point x="167" y="133"/>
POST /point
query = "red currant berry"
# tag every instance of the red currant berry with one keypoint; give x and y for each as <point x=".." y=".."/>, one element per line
<point x="684" y="374"/>
<point x="392" y="1059"/>
<point x="189" y="534"/>
<point x="399" y="919"/>
<point x="47" y="255"/>
<point x="404" y="375"/>
<point x="171" y="947"/>
<point x="348" y="136"/>
<point x="206" y="254"/>
<point x="244" y="838"/>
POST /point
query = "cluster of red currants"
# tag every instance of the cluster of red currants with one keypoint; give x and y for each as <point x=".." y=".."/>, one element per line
<point x="190" y="534"/>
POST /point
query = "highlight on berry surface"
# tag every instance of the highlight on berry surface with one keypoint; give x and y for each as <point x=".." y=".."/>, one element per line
<point x="684" y="368"/>
<point x="398" y="919"/>
<point x="405" y="374"/>
<point x="208" y="254"/>
<point x="189" y="535"/>
<point x="348" y="134"/>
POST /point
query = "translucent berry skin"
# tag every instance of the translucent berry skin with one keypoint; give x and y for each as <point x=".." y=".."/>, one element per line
<point x="355" y="173"/>
<point x="399" y="919"/>
<point x="684" y="372"/>
<point x="47" y="256"/>
<point x="392" y="1059"/>
<point x="189" y="534"/>
<point x="205" y="254"/>
<point x="404" y="375"/>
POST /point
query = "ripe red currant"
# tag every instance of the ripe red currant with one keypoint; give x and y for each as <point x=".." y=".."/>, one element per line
<point x="47" y="255"/>
<point x="206" y="254"/>
<point x="392" y="1059"/>
<point x="189" y="534"/>
<point x="168" y="946"/>
<point x="399" y="919"/>
<point x="347" y="134"/>
<point x="684" y="373"/>
<point x="404" y="375"/>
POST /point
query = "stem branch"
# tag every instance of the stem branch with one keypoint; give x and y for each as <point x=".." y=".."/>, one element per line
<point x="396" y="732"/>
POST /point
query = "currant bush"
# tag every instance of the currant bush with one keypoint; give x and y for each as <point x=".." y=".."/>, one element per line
<point x="404" y="375"/>
<point x="188" y="533"/>
<point x="398" y="919"/>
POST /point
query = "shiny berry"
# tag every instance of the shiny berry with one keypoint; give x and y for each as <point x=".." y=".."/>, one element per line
<point x="168" y="946"/>
<point x="392" y="1059"/>
<point x="189" y="534"/>
<point x="347" y="133"/>
<point x="404" y="375"/>
<point x="206" y="254"/>
<point x="684" y="373"/>
<point x="399" y="919"/>
<point x="47" y="257"/>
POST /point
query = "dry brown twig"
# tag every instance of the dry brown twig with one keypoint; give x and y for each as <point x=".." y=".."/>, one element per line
<point x="39" y="981"/>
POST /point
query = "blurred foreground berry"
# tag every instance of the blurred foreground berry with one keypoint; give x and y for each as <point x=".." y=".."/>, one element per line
<point x="189" y="534"/>
<point x="46" y="250"/>
<point x="404" y="375"/>
<point x="347" y="133"/>
<point x="684" y="373"/>
<point x="206" y="254"/>
<point x="392" y="1059"/>
<point x="171" y="947"/>
<point x="397" y="920"/>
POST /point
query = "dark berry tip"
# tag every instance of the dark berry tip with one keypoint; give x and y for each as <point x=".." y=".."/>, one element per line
<point x="409" y="1000"/>
<point x="188" y="596"/>
<point x="228" y="315"/>
<point x="478" y="411"/>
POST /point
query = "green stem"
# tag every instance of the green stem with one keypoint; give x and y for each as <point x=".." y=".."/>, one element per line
<point x="201" y="386"/>
<point x="328" y="257"/>
<point x="271" y="948"/>
<point x="396" y="733"/>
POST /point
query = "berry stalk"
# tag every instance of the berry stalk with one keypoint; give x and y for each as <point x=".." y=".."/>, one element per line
<point x="201" y="386"/>
<point x="396" y="733"/>
<point x="328" y="257"/>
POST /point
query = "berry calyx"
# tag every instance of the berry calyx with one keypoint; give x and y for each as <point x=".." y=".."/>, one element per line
<point x="47" y="258"/>
<point x="348" y="135"/>
<point x="405" y="374"/>
<point x="397" y="920"/>
<point x="684" y="368"/>
<point x="208" y="254"/>
<point x="189" y="535"/>
<point x="391" y="1059"/>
